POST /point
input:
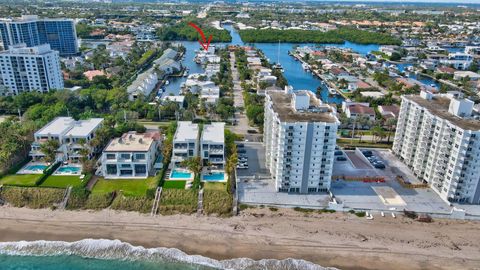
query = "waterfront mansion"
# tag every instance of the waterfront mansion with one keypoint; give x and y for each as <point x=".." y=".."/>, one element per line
<point x="69" y="133"/>
<point x="133" y="155"/>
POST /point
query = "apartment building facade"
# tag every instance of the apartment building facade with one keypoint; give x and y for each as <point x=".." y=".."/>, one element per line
<point x="60" y="34"/>
<point x="27" y="69"/>
<point x="438" y="137"/>
<point x="131" y="156"/>
<point x="299" y="137"/>
<point x="185" y="142"/>
<point x="212" y="144"/>
<point x="72" y="136"/>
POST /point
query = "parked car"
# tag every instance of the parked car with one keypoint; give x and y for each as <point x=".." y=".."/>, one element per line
<point x="367" y="153"/>
<point x="241" y="151"/>
<point x="338" y="153"/>
<point x="379" y="165"/>
<point x="341" y="159"/>
<point x="240" y="145"/>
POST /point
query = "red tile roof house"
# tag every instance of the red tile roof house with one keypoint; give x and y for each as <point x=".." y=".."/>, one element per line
<point x="93" y="73"/>
<point x="355" y="110"/>
<point x="447" y="70"/>
<point x="363" y="85"/>
<point x="391" y="111"/>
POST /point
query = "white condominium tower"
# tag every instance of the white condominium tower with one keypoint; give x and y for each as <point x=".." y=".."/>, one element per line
<point x="438" y="137"/>
<point x="26" y="69"/>
<point x="299" y="137"/>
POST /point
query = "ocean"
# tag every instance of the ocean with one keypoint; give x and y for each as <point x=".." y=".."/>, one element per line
<point x="99" y="254"/>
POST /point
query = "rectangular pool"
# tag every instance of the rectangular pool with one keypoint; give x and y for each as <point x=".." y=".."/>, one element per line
<point x="36" y="168"/>
<point x="68" y="170"/>
<point x="214" y="176"/>
<point x="177" y="174"/>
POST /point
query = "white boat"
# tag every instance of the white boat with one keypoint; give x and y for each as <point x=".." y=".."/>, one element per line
<point x="278" y="65"/>
<point x="305" y="66"/>
<point x="167" y="82"/>
<point x="332" y="91"/>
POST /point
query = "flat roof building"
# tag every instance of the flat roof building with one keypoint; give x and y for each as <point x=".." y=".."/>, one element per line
<point x="299" y="137"/>
<point x="438" y="137"/>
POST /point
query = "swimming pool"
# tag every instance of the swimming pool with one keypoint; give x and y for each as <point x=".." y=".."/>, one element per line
<point x="68" y="170"/>
<point x="176" y="174"/>
<point x="35" y="168"/>
<point x="214" y="176"/>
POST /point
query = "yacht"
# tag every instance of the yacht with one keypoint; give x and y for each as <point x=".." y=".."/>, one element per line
<point x="278" y="65"/>
<point x="305" y="66"/>
<point x="167" y="82"/>
<point x="332" y="91"/>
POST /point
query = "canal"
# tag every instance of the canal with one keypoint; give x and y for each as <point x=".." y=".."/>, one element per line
<point x="294" y="73"/>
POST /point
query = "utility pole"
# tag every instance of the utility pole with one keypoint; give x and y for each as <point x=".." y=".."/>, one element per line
<point x="19" y="114"/>
<point x="125" y="115"/>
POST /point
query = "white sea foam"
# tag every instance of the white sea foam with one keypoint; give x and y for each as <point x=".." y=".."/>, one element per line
<point x="116" y="249"/>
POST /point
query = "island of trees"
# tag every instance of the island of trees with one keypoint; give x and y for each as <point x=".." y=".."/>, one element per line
<point x="183" y="31"/>
<point x="314" y="36"/>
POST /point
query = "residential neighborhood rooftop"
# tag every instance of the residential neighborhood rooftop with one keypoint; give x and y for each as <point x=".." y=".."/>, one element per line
<point x="439" y="105"/>
<point x="186" y="130"/>
<point x="133" y="142"/>
<point x="282" y="105"/>
<point x="214" y="132"/>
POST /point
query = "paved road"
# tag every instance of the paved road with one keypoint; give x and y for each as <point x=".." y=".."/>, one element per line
<point x="242" y="121"/>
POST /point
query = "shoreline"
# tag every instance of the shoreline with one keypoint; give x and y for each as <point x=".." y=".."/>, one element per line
<point x="330" y="240"/>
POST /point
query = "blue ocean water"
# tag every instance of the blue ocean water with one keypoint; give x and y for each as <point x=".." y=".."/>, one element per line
<point x="116" y="255"/>
<point x="72" y="262"/>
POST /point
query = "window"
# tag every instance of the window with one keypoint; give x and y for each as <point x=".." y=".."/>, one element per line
<point x="140" y="156"/>
<point x="110" y="156"/>
<point x="111" y="169"/>
<point x="125" y="156"/>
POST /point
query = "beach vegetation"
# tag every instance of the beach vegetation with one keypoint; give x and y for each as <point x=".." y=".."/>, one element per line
<point x="304" y="210"/>
<point x="360" y="214"/>
<point x="31" y="197"/>
<point x="99" y="201"/>
<point x="129" y="203"/>
<point x="217" y="202"/>
<point x="178" y="201"/>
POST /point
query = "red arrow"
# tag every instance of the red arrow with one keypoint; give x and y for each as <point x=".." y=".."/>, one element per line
<point x="205" y="43"/>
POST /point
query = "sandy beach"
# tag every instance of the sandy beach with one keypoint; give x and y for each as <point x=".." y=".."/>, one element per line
<point x="339" y="240"/>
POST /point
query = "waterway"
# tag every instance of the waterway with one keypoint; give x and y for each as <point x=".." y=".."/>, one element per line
<point x="294" y="73"/>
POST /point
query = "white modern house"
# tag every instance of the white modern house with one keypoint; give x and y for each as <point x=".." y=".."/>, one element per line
<point x="28" y="69"/>
<point x="212" y="144"/>
<point x="438" y="137"/>
<point x="143" y="85"/>
<point x="131" y="156"/>
<point x="185" y="142"/>
<point x="299" y="137"/>
<point x="70" y="134"/>
<point x="458" y="60"/>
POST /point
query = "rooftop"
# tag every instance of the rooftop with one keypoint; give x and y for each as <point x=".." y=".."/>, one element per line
<point x="69" y="127"/>
<point x="215" y="132"/>
<point x="186" y="130"/>
<point x="439" y="105"/>
<point x="133" y="142"/>
<point x="282" y="105"/>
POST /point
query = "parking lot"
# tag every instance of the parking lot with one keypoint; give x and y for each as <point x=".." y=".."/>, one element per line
<point x="389" y="195"/>
<point x="255" y="185"/>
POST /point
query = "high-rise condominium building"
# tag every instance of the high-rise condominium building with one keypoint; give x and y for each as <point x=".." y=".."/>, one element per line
<point x="59" y="33"/>
<point x="299" y="137"/>
<point x="438" y="137"/>
<point x="25" y="69"/>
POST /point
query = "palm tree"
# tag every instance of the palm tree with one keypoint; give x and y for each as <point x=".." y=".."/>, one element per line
<point x="49" y="149"/>
<point x="193" y="164"/>
<point x="390" y="123"/>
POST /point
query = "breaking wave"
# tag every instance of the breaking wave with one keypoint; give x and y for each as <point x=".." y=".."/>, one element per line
<point x="118" y="250"/>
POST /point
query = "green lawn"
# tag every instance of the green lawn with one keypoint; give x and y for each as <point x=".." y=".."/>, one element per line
<point x="62" y="181"/>
<point x="174" y="184"/>
<point x="24" y="180"/>
<point x="130" y="187"/>
<point x="215" y="186"/>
